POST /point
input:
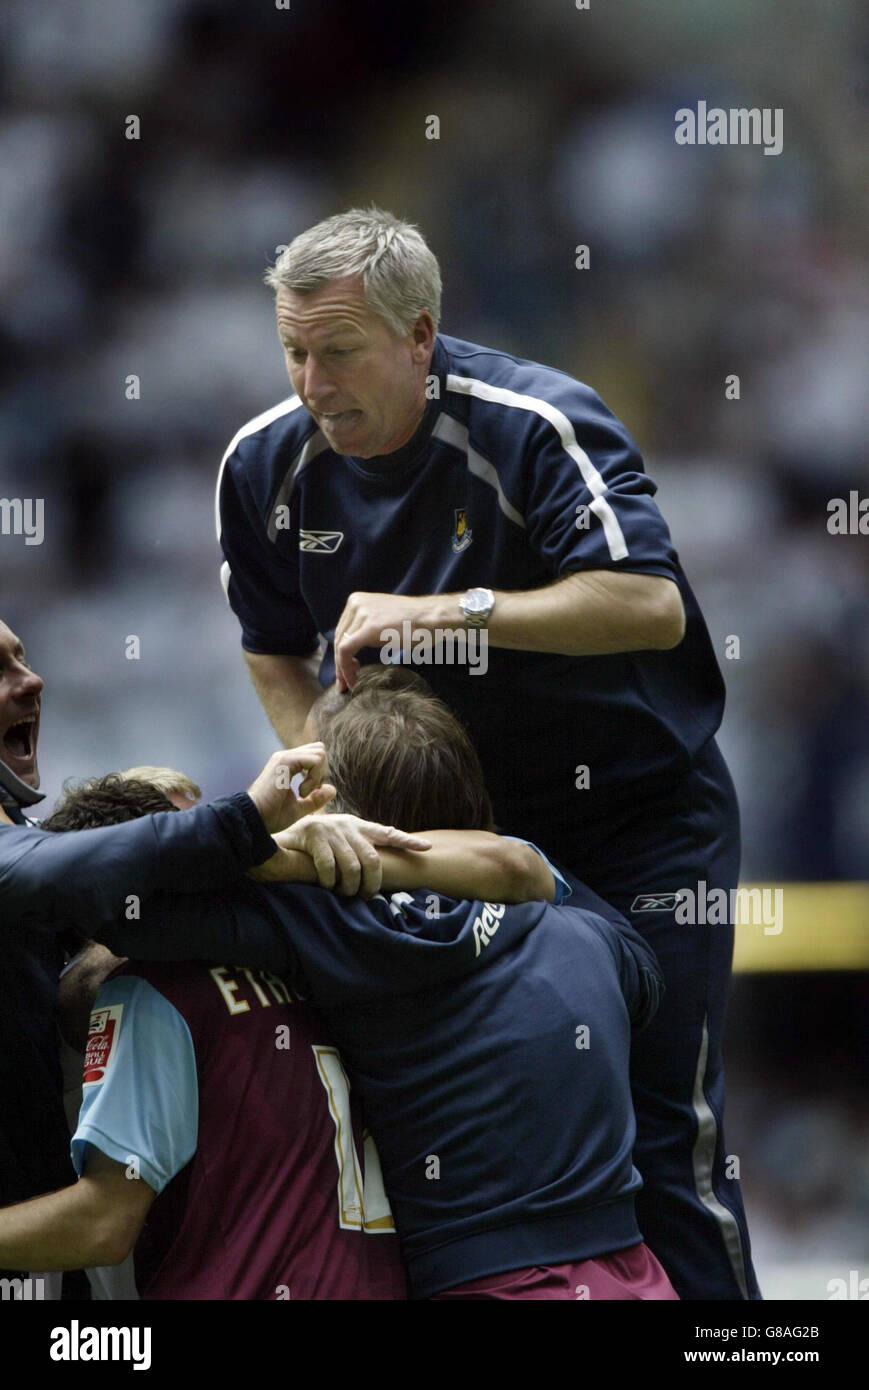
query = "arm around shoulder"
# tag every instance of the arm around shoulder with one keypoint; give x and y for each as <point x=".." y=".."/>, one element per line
<point x="471" y="864"/>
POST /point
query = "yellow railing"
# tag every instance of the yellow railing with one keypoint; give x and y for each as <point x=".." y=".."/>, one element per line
<point x="809" y="926"/>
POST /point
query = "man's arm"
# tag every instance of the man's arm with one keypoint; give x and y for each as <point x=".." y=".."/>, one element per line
<point x="595" y="613"/>
<point x="460" y="864"/>
<point x="137" y="1128"/>
<point x="591" y="614"/>
<point x="287" y="687"/>
<point x="242" y="926"/>
<point x="639" y="970"/>
<point x="576" y="480"/>
<point x="279" y="635"/>
<point x="471" y="864"/>
<point x="85" y="877"/>
<point x="96" y="1221"/>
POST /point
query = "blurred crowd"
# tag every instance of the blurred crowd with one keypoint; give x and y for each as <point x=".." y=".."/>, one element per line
<point x="136" y="335"/>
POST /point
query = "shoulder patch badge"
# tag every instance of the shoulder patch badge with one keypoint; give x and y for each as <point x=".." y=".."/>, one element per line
<point x="102" y="1043"/>
<point x="462" y="536"/>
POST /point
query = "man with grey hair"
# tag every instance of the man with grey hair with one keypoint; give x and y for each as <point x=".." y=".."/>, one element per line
<point x="417" y="484"/>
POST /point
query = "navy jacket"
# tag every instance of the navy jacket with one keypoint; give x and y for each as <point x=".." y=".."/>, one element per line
<point x="490" y="1045"/>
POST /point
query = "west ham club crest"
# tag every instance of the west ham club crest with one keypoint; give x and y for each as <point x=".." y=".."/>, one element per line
<point x="462" y="536"/>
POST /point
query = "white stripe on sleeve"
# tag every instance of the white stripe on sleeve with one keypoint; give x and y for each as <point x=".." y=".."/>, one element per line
<point x="259" y="422"/>
<point x="599" y="506"/>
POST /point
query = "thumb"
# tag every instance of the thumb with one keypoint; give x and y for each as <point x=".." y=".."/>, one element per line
<point x="390" y="836"/>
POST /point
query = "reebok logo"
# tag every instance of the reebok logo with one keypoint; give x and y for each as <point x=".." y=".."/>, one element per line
<point x="656" y="902"/>
<point x="320" y="542"/>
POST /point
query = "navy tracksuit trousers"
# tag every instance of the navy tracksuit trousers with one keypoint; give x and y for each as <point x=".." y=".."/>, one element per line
<point x="690" y="1210"/>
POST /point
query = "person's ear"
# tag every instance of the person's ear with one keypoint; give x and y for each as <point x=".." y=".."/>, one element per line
<point x="422" y="336"/>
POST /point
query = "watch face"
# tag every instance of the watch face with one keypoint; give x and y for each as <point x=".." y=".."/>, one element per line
<point x="478" y="603"/>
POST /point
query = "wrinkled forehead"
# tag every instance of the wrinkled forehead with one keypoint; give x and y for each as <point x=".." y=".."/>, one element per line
<point x="334" y="307"/>
<point x="344" y="295"/>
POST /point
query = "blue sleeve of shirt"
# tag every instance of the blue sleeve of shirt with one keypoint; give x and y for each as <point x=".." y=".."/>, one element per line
<point x="86" y="877"/>
<point x="240" y="926"/>
<point x="262" y="586"/>
<point x="145" y="1107"/>
<point x="355" y="947"/>
<point x="562" y="887"/>
<point x="577" y="477"/>
<point x="639" y="971"/>
<point x="292" y="928"/>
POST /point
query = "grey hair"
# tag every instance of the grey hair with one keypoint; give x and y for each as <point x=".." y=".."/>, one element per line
<point x="400" y="275"/>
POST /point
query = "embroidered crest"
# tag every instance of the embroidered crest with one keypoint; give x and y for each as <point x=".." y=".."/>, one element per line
<point x="462" y="535"/>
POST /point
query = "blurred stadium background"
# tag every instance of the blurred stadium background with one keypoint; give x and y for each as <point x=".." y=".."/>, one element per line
<point x="144" y="257"/>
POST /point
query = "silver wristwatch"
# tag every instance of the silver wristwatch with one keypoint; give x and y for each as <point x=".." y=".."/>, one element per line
<point x="477" y="605"/>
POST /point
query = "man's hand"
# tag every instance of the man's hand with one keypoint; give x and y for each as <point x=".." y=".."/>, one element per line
<point x="78" y="988"/>
<point x="272" y="793"/>
<point x="343" y="850"/>
<point x="594" y="613"/>
<point x="366" y="617"/>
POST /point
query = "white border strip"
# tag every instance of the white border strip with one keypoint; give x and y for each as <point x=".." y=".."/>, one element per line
<point x="259" y="422"/>
<point x="451" y="431"/>
<point x="703" y="1159"/>
<point x="499" y="395"/>
<point x="313" y="446"/>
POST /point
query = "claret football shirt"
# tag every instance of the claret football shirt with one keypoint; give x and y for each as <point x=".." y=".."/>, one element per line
<point x="219" y="1087"/>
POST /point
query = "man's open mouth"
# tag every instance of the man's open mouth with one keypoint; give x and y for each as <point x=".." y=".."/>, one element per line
<point x="19" y="741"/>
<point x="339" y="417"/>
